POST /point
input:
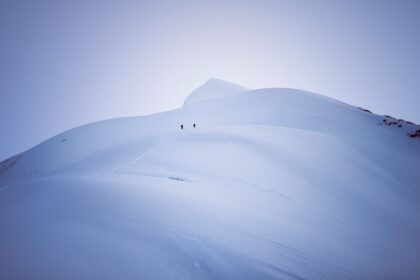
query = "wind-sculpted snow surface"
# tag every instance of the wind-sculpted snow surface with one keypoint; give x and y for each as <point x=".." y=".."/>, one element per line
<point x="271" y="184"/>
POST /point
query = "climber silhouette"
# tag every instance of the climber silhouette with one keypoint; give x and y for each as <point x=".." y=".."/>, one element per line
<point x="194" y="125"/>
<point x="182" y="126"/>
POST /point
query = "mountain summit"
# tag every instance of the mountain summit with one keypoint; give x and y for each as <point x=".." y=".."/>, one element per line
<point x="215" y="89"/>
<point x="268" y="184"/>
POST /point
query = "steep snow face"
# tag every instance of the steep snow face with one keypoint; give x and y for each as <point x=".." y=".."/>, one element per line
<point x="214" y="89"/>
<point x="270" y="184"/>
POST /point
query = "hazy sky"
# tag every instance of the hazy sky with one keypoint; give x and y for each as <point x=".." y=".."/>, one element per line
<point x="67" y="63"/>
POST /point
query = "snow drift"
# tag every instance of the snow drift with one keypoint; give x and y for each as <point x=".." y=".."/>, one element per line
<point x="271" y="184"/>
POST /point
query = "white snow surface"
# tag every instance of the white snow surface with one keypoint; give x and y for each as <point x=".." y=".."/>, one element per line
<point x="271" y="184"/>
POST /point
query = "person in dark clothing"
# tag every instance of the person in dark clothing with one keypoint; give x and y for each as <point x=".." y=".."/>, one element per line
<point x="182" y="126"/>
<point x="194" y="125"/>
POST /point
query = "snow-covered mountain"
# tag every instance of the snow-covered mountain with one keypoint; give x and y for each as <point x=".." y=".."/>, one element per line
<point x="270" y="184"/>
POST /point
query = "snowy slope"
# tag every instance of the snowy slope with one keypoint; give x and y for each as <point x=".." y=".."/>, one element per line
<point x="272" y="184"/>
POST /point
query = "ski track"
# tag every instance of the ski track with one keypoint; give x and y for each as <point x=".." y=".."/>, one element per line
<point x="140" y="156"/>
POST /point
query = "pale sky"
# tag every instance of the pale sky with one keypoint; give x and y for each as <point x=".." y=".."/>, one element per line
<point x="68" y="63"/>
